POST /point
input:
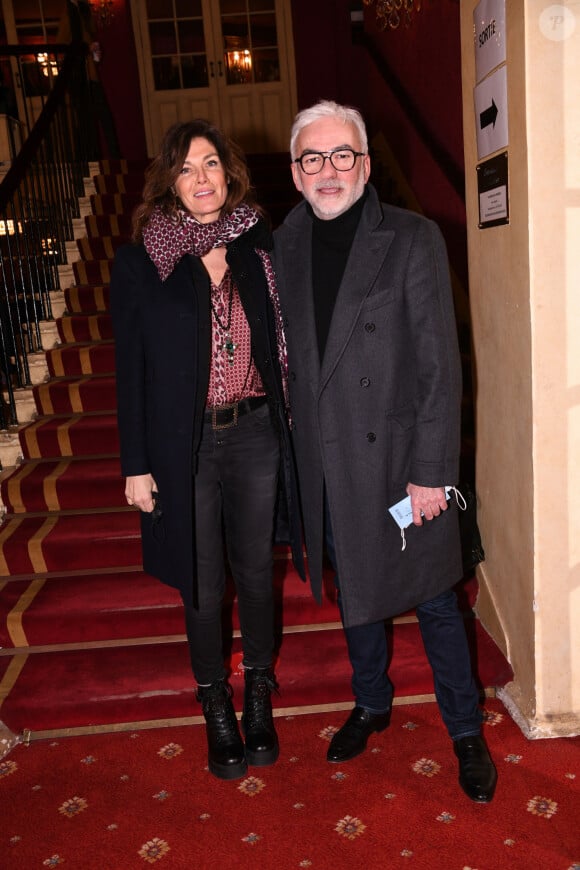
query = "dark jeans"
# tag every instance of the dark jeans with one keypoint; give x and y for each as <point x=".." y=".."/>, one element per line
<point x="235" y="496"/>
<point x="445" y="642"/>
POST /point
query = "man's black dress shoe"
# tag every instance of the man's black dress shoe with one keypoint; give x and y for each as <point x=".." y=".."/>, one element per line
<point x="350" y="740"/>
<point x="477" y="774"/>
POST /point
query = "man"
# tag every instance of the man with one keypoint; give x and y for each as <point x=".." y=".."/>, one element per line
<point x="375" y="391"/>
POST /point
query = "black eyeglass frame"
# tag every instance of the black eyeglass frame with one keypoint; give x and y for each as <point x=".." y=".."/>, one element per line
<point x="327" y="155"/>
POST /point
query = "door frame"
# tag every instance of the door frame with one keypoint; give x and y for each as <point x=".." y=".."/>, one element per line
<point x="284" y="26"/>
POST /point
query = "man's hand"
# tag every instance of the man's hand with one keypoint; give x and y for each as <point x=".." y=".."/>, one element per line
<point x="138" y="492"/>
<point x="426" y="501"/>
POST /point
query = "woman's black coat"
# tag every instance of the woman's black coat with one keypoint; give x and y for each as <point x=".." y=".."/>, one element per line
<point x="163" y="345"/>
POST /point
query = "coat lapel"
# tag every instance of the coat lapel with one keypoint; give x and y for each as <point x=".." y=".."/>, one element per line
<point x="369" y="249"/>
<point x="298" y="302"/>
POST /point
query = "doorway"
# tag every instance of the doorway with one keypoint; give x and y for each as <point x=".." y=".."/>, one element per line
<point x="230" y="61"/>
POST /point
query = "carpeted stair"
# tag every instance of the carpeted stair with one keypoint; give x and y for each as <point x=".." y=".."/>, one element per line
<point x="88" y="640"/>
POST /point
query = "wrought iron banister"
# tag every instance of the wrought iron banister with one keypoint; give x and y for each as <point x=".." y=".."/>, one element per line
<point x="39" y="199"/>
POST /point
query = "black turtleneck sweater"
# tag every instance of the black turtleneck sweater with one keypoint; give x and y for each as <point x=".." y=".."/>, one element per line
<point x="331" y="244"/>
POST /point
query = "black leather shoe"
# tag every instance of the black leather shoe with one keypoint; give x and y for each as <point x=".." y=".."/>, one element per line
<point x="350" y="740"/>
<point x="477" y="774"/>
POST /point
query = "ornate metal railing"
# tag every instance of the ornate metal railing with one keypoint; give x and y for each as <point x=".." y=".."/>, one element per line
<point x="46" y="141"/>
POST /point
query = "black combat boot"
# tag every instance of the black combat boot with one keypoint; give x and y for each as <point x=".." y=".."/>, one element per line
<point x="226" y="757"/>
<point x="262" y="746"/>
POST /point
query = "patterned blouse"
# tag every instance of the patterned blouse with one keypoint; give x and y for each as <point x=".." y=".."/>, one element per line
<point x="233" y="373"/>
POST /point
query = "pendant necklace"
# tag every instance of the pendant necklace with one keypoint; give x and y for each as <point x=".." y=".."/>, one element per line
<point x="229" y="345"/>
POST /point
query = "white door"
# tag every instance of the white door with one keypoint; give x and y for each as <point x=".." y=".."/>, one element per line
<point x="230" y="61"/>
<point x="29" y="22"/>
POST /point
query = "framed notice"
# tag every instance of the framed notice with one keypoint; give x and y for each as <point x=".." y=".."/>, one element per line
<point x="493" y="193"/>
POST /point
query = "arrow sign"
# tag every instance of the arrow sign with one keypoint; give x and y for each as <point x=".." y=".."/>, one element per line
<point x="491" y="113"/>
<point x="488" y="116"/>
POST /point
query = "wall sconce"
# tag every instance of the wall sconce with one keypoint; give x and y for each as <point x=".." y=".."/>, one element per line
<point x="239" y="66"/>
<point x="48" y="67"/>
<point x="102" y="12"/>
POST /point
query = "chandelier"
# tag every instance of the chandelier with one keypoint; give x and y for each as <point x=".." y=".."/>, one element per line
<point x="103" y="12"/>
<point x="391" y="13"/>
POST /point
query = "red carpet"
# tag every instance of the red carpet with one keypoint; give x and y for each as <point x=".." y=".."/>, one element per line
<point x="85" y="637"/>
<point x="144" y="798"/>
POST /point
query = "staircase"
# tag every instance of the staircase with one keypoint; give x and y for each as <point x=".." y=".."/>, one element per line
<point x="87" y="640"/>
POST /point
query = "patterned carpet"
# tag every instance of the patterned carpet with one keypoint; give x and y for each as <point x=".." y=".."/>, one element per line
<point x="145" y="798"/>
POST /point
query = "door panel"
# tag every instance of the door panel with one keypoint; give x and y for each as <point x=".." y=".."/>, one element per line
<point x="230" y="61"/>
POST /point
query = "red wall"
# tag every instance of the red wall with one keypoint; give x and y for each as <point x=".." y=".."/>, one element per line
<point x="120" y="79"/>
<point x="426" y="58"/>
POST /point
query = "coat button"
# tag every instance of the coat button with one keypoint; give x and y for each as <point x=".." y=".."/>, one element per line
<point x="365" y="382"/>
<point x="267" y="361"/>
<point x="369" y="327"/>
<point x="371" y="437"/>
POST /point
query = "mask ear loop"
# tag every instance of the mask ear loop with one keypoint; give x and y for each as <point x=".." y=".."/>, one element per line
<point x="461" y="503"/>
<point x="403" y="538"/>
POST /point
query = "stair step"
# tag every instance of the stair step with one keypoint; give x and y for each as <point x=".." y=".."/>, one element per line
<point x="70" y="542"/>
<point x="108" y="225"/>
<point x="78" y="328"/>
<point x="92" y="271"/>
<point x="47" y="611"/>
<point x="114" y="203"/>
<point x="68" y="484"/>
<point x="81" y="359"/>
<point x="87" y="298"/>
<point x="128" y="182"/>
<point x="69" y="435"/>
<point x="75" y="395"/>
<point x="101" y="248"/>
<point x="151" y="679"/>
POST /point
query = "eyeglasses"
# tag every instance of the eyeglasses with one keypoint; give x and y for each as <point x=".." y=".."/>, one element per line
<point x="343" y="159"/>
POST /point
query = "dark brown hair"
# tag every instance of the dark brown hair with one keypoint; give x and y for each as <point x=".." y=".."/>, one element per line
<point x="164" y="170"/>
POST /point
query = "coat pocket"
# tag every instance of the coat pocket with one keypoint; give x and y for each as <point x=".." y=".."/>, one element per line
<point x="400" y="433"/>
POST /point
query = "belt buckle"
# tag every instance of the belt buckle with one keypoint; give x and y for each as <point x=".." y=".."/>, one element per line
<point x="214" y="412"/>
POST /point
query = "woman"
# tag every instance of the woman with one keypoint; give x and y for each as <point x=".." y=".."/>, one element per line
<point x="201" y="409"/>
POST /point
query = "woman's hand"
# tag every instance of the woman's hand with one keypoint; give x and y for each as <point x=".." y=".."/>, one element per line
<point x="139" y="491"/>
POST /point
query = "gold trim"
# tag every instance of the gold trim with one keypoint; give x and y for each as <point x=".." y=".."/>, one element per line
<point x="6" y="533"/>
<point x="150" y="724"/>
<point x="49" y="485"/>
<point x="35" y="553"/>
<point x="99" y="294"/>
<point x="45" y="399"/>
<point x="67" y="329"/>
<point x="85" y="360"/>
<point x="75" y="395"/>
<point x="14" y="486"/>
<point x="14" y="620"/>
<point x="31" y="439"/>
<point x="57" y="362"/>
<point x="9" y="679"/>
<point x="94" y="329"/>
<point x="63" y="435"/>
<point x="105" y="271"/>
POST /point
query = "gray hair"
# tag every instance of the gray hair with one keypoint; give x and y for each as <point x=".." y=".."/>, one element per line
<point x="328" y="109"/>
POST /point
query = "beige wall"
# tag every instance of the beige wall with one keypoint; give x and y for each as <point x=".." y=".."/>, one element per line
<point x="525" y="299"/>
